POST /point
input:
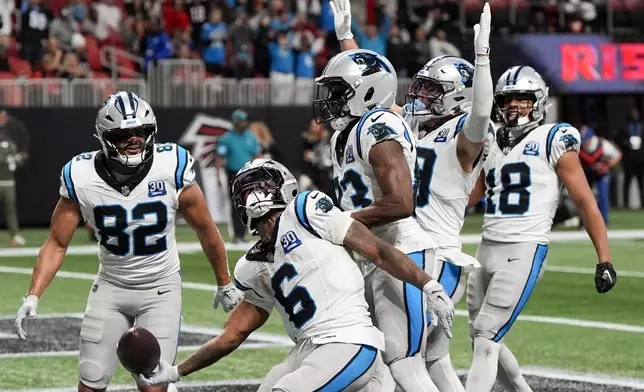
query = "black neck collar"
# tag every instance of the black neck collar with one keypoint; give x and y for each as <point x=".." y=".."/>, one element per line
<point x="124" y="187"/>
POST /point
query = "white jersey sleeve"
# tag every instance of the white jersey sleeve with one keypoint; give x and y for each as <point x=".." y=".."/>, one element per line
<point x="66" y="184"/>
<point x="249" y="277"/>
<point x="317" y="214"/>
<point x="561" y="138"/>
<point x="378" y="126"/>
<point x="185" y="172"/>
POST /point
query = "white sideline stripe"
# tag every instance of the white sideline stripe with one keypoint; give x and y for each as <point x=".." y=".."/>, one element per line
<point x="591" y="271"/>
<point x="192" y="247"/>
<point x="74" y="353"/>
<point x="529" y="371"/>
<point x="573" y="322"/>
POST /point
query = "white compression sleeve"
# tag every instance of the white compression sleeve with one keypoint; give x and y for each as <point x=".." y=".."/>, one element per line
<point x="476" y="123"/>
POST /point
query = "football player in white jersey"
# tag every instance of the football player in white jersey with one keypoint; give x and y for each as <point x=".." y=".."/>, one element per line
<point x="449" y="115"/>
<point x="130" y="192"/>
<point x="523" y="173"/>
<point x="301" y="267"/>
<point x="374" y="159"/>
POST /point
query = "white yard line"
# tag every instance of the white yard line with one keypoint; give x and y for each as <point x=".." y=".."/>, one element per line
<point x="192" y="247"/>
<point x="557" y="374"/>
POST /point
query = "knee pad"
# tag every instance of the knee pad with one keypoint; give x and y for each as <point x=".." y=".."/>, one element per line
<point x="93" y="375"/>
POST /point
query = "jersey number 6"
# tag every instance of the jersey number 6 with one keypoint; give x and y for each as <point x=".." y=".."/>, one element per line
<point x="298" y="295"/>
<point x="118" y="222"/>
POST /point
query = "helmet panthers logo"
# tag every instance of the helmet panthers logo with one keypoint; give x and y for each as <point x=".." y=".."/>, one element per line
<point x="324" y="204"/>
<point x="467" y="73"/>
<point x="369" y="62"/>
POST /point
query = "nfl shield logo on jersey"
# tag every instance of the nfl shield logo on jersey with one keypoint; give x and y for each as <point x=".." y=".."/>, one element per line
<point x="290" y="241"/>
<point x="531" y="148"/>
<point x="156" y="188"/>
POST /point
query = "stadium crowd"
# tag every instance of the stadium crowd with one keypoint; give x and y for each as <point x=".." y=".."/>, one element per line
<point x="282" y="39"/>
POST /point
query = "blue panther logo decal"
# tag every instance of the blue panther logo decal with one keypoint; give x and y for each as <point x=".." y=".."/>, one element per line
<point x="569" y="141"/>
<point x="467" y="73"/>
<point x="369" y="62"/>
<point x="380" y="131"/>
<point x="324" y="204"/>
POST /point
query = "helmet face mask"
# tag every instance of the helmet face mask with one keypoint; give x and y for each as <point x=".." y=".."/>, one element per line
<point x="510" y="114"/>
<point x="429" y="94"/>
<point x="122" y="116"/>
<point x="260" y="186"/>
<point x="331" y="98"/>
<point x="524" y="85"/>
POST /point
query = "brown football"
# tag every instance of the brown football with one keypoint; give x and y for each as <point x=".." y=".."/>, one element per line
<point x="139" y="351"/>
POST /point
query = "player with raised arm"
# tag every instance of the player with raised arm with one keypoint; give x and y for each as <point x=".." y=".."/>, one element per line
<point x="130" y="192"/>
<point x="523" y="173"/>
<point x="450" y="102"/>
<point x="374" y="159"/>
<point x="301" y="265"/>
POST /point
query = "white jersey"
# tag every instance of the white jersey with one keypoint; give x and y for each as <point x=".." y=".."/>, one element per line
<point x="444" y="187"/>
<point x="315" y="284"/>
<point x="135" y="220"/>
<point x="523" y="187"/>
<point x="356" y="185"/>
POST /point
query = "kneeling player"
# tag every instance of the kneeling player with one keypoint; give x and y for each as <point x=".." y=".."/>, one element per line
<point x="301" y="267"/>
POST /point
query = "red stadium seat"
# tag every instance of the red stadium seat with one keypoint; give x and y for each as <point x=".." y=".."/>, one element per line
<point x="20" y="67"/>
<point x="10" y="95"/>
<point x="100" y="75"/>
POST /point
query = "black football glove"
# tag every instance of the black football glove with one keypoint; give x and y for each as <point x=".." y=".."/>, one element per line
<point x="605" y="277"/>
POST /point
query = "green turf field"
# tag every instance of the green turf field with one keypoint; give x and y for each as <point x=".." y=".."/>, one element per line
<point x="553" y="339"/>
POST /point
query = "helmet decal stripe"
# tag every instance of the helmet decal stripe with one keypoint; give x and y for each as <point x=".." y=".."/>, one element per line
<point x="133" y="102"/>
<point x="120" y="106"/>
<point x="517" y="72"/>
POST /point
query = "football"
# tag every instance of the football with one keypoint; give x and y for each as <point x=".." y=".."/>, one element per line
<point x="139" y="351"/>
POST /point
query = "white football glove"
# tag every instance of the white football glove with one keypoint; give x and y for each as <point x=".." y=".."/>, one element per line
<point x="482" y="33"/>
<point x="228" y="296"/>
<point x="27" y="310"/>
<point x="164" y="374"/>
<point x="341" y="10"/>
<point x="439" y="306"/>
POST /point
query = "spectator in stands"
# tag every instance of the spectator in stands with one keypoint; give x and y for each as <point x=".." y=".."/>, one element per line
<point x="6" y="10"/>
<point x="439" y="46"/>
<point x="52" y="59"/>
<point x="71" y="69"/>
<point x="198" y="10"/>
<point x="35" y="21"/>
<point x="73" y="19"/>
<point x="213" y="38"/>
<point x="283" y="21"/>
<point x="4" y="54"/>
<point x="630" y="141"/>
<point x="305" y="66"/>
<point x="317" y="157"/>
<point x="175" y="17"/>
<point x="598" y="157"/>
<point x="262" y="57"/>
<point x="579" y="14"/>
<point x="158" y="45"/>
<point x="234" y="149"/>
<point x="79" y="47"/>
<point x="310" y="8"/>
<point x="282" y="68"/>
<point x="241" y="40"/>
<point x="182" y="51"/>
<point x="421" y="52"/>
<point x="268" y="147"/>
<point x="399" y="49"/>
<point x="373" y="38"/>
<point x="108" y="21"/>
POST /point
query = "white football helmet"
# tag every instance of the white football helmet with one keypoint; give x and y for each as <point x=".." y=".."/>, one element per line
<point x="259" y="186"/>
<point x="443" y="87"/>
<point x="352" y="83"/>
<point x="122" y="115"/>
<point x="521" y="80"/>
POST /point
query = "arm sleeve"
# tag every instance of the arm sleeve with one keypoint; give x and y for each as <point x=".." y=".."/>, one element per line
<point x="378" y="126"/>
<point x="561" y="139"/>
<point x="476" y="124"/>
<point x="317" y="214"/>
<point x="67" y="189"/>
<point x="185" y="171"/>
<point x="248" y="278"/>
<point x="356" y="30"/>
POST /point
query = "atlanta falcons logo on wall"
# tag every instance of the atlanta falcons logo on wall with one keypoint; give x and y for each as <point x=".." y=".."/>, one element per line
<point x="202" y="134"/>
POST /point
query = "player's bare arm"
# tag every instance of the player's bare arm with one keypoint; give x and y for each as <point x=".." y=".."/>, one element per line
<point x="470" y="142"/>
<point x="360" y="239"/>
<point x="393" y="176"/>
<point x="478" y="192"/>
<point x="245" y="319"/>
<point x="64" y="222"/>
<point x="571" y="173"/>
<point x="193" y="207"/>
